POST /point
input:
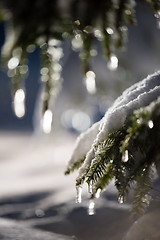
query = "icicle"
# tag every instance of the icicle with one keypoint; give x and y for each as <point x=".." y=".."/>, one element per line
<point x="90" y="187"/>
<point x="51" y="78"/>
<point x="90" y="82"/>
<point x="17" y="69"/>
<point x="121" y="199"/>
<point x="113" y="63"/>
<point x="157" y="15"/>
<point x="47" y="121"/>
<point x="79" y="194"/>
<point x="91" y="208"/>
<point x="97" y="194"/>
<point x="125" y="156"/>
<point x="150" y="124"/>
<point x="19" y="103"/>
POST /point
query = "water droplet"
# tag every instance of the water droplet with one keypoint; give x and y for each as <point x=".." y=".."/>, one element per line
<point x="79" y="194"/>
<point x="57" y="67"/>
<point x="11" y="72"/>
<point x="54" y="42"/>
<point x="23" y="69"/>
<point x="123" y="29"/>
<point x="17" y="52"/>
<point x="41" y="41"/>
<point x="19" y="103"/>
<point x="77" y="43"/>
<point x="55" y="52"/>
<point x="150" y="124"/>
<point x="128" y="12"/>
<point x="47" y="121"/>
<point x="31" y="48"/>
<point x="125" y="156"/>
<point x="121" y="199"/>
<point x="77" y="22"/>
<point x="97" y="194"/>
<point x="44" y="71"/>
<point x="113" y="63"/>
<point x="13" y="62"/>
<point x="56" y="76"/>
<point x="93" y="52"/>
<point x="98" y="34"/>
<point x="109" y="31"/>
<point x="90" y="82"/>
<point x="77" y="36"/>
<point x="139" y="120"/>
<point x="91" y="208"/>
<point x="44" y="78"/>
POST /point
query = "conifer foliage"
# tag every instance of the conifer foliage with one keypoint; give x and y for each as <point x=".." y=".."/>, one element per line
<point x="126" y="153"/>
<point x="47" y="23"/>
<point x="126" y="148"/>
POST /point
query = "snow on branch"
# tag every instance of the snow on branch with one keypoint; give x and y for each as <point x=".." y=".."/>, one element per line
<point x="124" y="147"/>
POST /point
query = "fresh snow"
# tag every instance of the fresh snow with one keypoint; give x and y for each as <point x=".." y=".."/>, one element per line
<point x="84" y="143"/>
<point x="138" y="95"/>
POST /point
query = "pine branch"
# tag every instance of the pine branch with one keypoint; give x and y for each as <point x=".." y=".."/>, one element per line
<point x="105" y="179"/>
<point x="76" y="165"/>
<point x="142" y="195"/>
<point x="103" y="156"/>
<point x="128" y="155"/>
<point x="49" y="19"/>
<point x="125" y="152"/>
<point x="106" y="155"/>
<point x="31" y="23"/>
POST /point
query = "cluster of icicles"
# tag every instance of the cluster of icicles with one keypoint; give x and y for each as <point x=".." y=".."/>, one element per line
<point x="139" y="95"/>
<point x="51" y="54"/>
<point x="51" y="79"/>
<point x="82" y="41"/>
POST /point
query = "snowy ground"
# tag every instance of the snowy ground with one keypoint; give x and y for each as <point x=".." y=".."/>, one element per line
<point x="38" y="202"/>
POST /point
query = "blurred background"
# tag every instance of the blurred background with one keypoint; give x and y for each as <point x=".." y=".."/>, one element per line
<point x="139" y="58"/>
<point x="33" y="189"/>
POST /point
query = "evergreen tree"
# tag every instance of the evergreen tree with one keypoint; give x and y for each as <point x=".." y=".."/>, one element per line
<point x="122" y="150"/>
